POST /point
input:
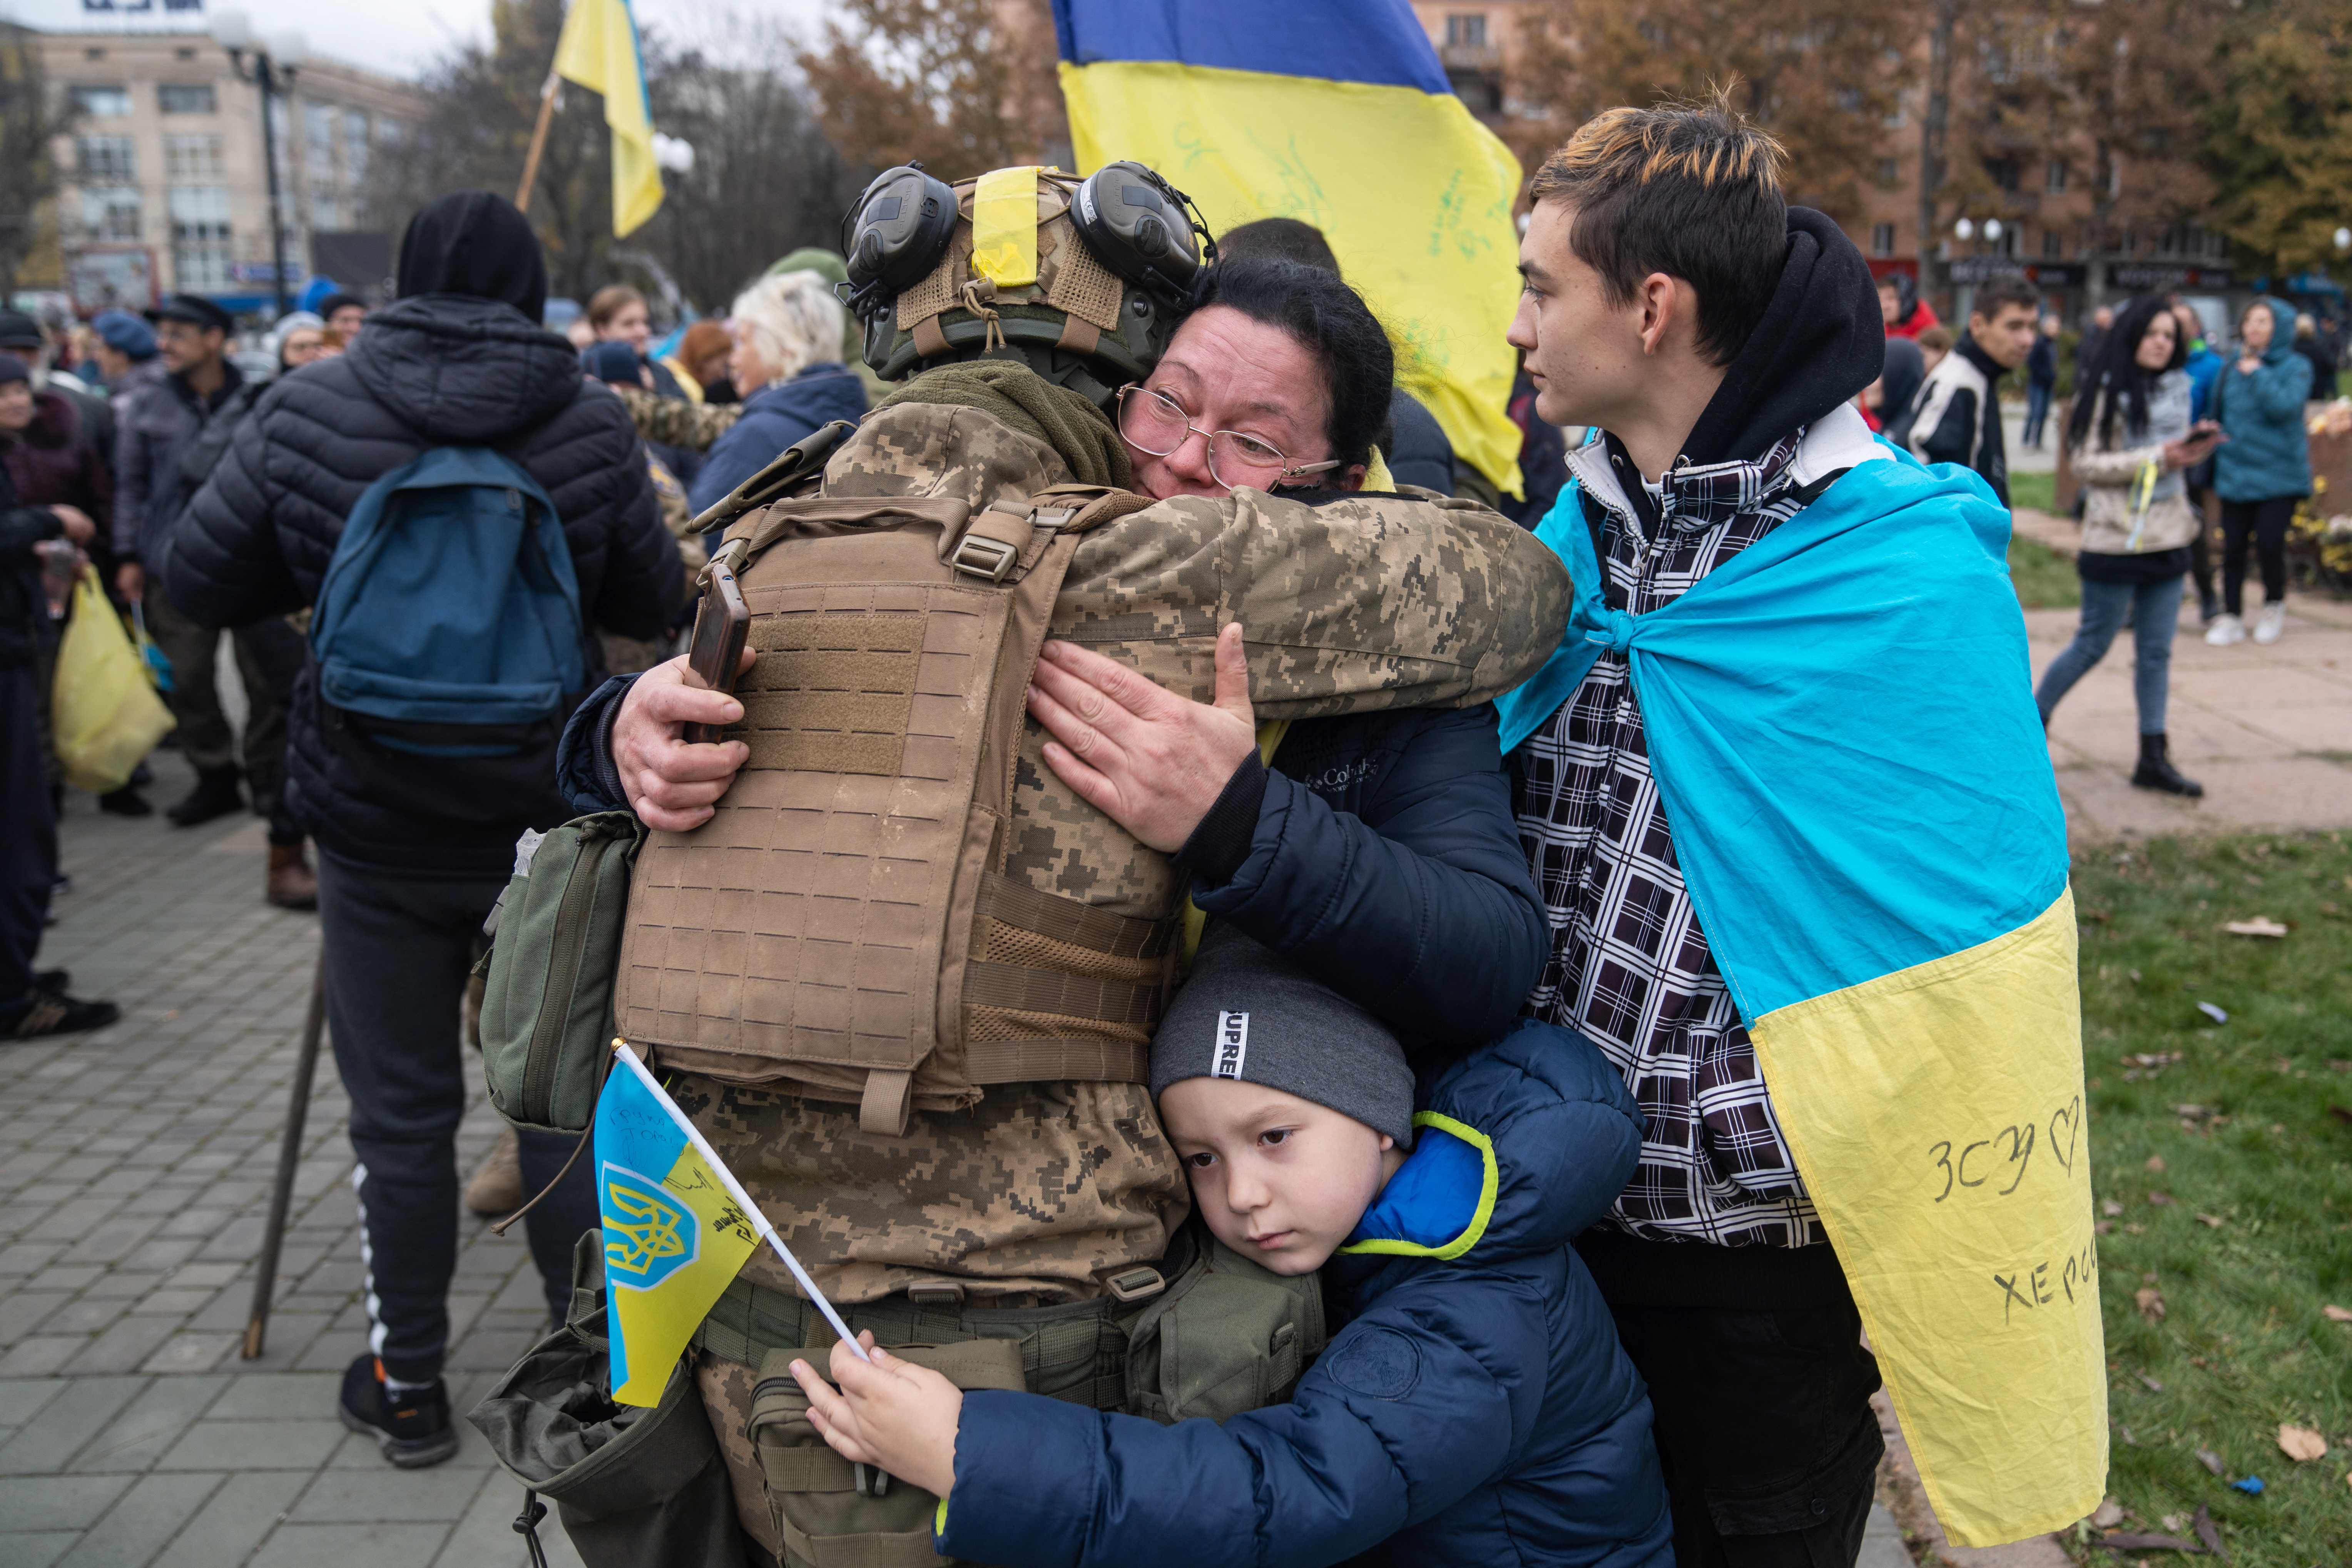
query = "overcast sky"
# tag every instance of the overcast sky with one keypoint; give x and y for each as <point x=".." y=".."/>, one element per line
<point x="396" y="36"/>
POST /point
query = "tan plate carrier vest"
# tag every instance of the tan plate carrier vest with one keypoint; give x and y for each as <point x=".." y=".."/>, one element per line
<point x="855" y="884"/>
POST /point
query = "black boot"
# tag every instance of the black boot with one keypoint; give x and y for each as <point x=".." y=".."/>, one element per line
<point x="215" y="795"/>
<point x="126" y="801"/>
<point x="2155" y="771"/>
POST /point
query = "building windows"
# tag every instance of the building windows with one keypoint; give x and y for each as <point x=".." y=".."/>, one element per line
<point x="1882" y="239"/>
<point x="104" y="160"/>
<point x="1468" y="32"/>
<point x="1890" y="172"/>
<point x="99" y="102"/>
<point x="186" y="98"/>
<point x="326" y="211"/>
<point x="2004" y="171"/>
<point x="200" y="238"/>
<point x="110" y="213"/>
<point x="2053" y="244"/>
<point x="355" y="146"/>
<point x="2054" y="177"/>
<point x="318" y="140"/>
<point x="189" y="160"/>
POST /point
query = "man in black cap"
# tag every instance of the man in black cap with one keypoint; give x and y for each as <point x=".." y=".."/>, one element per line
<point x="192" y="336"/>
<point x="343" y="313"/>
<point x="22" y="339"/>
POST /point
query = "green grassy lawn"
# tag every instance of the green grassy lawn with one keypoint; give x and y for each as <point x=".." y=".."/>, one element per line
<point x="2225" y="1178"/>
<point x="2037" y="491"/>
<point x="2044" y="579"/>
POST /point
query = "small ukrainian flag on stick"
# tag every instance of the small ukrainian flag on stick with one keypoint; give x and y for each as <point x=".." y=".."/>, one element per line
<point x="677" y="1227"/>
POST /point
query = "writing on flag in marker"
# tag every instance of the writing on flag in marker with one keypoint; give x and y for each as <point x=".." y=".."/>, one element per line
<point x="678" y="1228"/>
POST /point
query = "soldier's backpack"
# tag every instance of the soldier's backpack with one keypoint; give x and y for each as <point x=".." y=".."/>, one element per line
<point x="448" y="640"/>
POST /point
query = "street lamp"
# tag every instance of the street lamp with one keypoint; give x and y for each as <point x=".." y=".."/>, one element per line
<point x="2344" y="239"/>
<point x="275" y="62"/>
<point x="1964" y="231"/>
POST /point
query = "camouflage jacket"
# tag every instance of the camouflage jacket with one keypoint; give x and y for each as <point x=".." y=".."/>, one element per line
<point x="674" y="422"/>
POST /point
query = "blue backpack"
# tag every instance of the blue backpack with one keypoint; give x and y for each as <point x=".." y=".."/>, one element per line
<point x="448" y="623"/>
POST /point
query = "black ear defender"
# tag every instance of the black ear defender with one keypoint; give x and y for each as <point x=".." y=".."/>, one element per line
<point x="1143" y="228"/>
<point x="894" y="235"/>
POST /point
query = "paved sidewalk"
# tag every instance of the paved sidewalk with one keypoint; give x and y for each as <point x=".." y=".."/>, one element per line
<point x="2268" y="731"/>
<point x="136" y="1166"/>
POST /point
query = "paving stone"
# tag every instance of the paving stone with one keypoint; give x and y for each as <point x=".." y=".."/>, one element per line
<point x="187" y="1353"/>
<point x="350" y="1545"/>
<point x="68" y="1277"/>
<point x="146" y="1428"/>
<point x="44" y="1444"/>
<point x="253" y="1446"/>
<point x="40" y="1549"/>
<point x="485" y="1538"/>
<point x="89" y="1315"/>
<point x="136" y="1528"/>
<point x="122" y="1347"/>
<point x="28" y="1257"/>
<point x="21" y="1398"/>
<point x="21" y="1312"/>
<point x="55" y="1503"/>
<point x="43" y="1353"/>
<point x="357" y="1496"/>
<point x="189" y="1275"/>
<point x="276" y="1396"/>
<point x="246" y="1508"/>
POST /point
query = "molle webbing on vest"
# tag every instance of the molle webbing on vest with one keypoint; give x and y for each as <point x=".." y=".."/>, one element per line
<point x="835" y="693"/>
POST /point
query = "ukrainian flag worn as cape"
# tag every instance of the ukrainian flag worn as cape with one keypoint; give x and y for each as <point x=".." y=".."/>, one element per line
<point x="1841" y="723"/>
<point x="1336" y="113"/>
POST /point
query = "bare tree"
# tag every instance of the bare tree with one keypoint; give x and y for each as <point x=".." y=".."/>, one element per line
<point x="30" y="126"/>
<point x="965" y="86"/>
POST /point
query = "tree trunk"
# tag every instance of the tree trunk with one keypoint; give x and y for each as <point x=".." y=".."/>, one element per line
<point x="1932" y="126"/>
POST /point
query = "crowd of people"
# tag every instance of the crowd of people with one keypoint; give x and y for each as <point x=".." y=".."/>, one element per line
<point x="1499" y="1086"/>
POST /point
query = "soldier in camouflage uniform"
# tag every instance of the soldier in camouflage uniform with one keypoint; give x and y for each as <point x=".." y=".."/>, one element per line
<point x="1031" y="1195"/>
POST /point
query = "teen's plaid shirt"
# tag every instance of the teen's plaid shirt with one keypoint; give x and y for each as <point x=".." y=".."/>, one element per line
<point x="1630" y="967"/>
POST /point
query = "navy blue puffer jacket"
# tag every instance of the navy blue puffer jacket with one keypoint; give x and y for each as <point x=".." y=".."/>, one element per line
<point x="1475" y="1408"/>
<point x="775" y="417"/>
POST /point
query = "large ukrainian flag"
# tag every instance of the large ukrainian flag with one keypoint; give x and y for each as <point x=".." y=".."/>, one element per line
<point x="1841" y="723"/>
<point x="1337" y="112"/>
<point x="598" y="50"/>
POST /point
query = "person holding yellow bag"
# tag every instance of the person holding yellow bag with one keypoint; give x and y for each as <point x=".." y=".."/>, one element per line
<point x="30" y="1004"/>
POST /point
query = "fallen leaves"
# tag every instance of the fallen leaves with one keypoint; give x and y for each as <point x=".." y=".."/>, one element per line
<point x="2148" y="1063"/>
<point x="2336" y="1314"/>
<point x="2112" y="1207"/>
<point x="2150" y="1302"/>
<point x="2260" y="925"/>
<point x="2159" y="1200"/>
<point x="2108" y="1514"/>
<point x="2213" y="1220"/>
<point x="2208" y="1534"/>
<point x="2156" y="1163"/>
<point x="2152" y="1384"/>
<point x="2212" y="1461"/>
<point x="2301" y="1444"/>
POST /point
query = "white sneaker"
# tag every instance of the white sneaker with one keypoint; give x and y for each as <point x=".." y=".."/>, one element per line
<point x="2272" y="624"/>
<point x="2225" y="629"/>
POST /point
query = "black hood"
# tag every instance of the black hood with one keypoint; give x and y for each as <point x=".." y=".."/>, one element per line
<point x="478" y="244"/>
<point x="464" y="370"/>
<point x="1819" y="342"/>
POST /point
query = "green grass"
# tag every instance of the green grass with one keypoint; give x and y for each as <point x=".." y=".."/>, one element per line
<point x="2243" y="1345"/>
<point x="2037" y="491"/>
<point x="2044" y="579"/>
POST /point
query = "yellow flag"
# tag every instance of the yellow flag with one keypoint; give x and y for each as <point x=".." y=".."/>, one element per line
<point x="599" y="51"/>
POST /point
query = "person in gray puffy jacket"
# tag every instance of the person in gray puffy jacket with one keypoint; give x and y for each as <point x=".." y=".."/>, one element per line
<point x="2128" y="438"/>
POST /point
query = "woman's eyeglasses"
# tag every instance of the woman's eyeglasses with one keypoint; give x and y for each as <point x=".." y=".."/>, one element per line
<point x="1155" y="423"/>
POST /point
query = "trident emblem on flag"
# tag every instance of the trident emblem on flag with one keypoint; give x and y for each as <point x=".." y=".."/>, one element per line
<point x="648" y="1236"/>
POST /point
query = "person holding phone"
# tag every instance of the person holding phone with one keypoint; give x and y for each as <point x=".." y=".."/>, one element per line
<point x="2129" y="439"/>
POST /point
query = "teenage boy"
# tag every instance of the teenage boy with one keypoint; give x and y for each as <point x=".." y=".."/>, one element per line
<point x="1832" y="717"/>
<point x="1475" y="1409"/>
<point x="1956" y="418"/>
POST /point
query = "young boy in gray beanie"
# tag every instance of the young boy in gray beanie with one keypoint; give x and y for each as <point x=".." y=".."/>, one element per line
<point x="1475" y="1408"/>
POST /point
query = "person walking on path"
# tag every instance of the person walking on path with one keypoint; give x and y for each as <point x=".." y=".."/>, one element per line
<point x="788" y="330"/>
<point x="2040" y="382"/>
<point x="414" y="850"/>
<point x="2203" y="368"/>
<point x="163" y="418"/>
<point x="2130" y="439"/>
<point x="2264" y="469"/>
<point x="31" y="1003"/>
<point x="2313" y="346"/>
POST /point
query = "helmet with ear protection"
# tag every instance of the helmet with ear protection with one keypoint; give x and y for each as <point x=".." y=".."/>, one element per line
<point x="1085" y="280"/>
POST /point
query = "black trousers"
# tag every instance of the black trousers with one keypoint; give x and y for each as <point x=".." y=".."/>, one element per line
<point x="2265" y="524"/>
<point x="398" y="950"/>
<point x="1759" y="1394"/>
<point x="28" y="830"/>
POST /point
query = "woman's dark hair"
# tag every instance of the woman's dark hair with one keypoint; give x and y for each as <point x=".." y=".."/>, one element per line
<point x="1330" y="321"/>
<point x="2117" y="380"/>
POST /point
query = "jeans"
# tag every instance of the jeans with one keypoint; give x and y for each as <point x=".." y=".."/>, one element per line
<point x="397" y="953"/>
<point x="2037" y="411"/>
<point x="28" y="833"/>
<point x="2154" y="609"/>
<point x="2265" y="522"/>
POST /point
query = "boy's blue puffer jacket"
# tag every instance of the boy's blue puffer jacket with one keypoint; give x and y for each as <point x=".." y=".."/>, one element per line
<point x="2268" y="454"/>
<point x="773" y="418"/>
<point x="1475" y="1408"/>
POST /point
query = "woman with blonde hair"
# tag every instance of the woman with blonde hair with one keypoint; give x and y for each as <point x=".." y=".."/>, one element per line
<point x="787" y="366"/>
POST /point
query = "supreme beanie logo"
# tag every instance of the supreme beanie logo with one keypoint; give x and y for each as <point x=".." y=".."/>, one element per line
<point x="1231" y="1045"/>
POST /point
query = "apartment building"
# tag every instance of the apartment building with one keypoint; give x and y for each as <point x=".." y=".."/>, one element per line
<point x="163" y="187"/>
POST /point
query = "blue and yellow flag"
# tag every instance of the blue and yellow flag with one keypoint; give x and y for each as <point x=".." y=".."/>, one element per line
<point x="598" y="50"/>
<point x="675" y="1233"/>
<point x="1840" y="725"/>
<point x="1338" y="113"/>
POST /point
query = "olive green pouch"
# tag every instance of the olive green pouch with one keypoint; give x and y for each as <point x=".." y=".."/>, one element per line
<point x="555" y="950"/>
<point x="1229" y="1335"/>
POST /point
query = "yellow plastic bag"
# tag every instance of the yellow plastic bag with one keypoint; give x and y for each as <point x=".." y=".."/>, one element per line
<point x="105" y="710"/>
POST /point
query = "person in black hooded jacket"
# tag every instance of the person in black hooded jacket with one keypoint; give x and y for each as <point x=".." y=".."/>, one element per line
<point x="405" y="882"/>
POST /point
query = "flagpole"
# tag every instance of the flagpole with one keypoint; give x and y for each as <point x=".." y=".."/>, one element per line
<point x="547" y="95"/>
<point x="742" y="1200"/>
